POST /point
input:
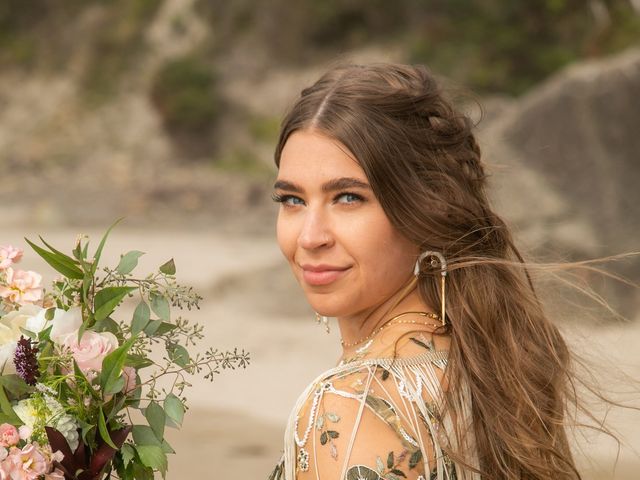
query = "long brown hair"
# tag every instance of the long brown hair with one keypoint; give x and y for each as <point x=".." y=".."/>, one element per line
<point x="424" y="166"/>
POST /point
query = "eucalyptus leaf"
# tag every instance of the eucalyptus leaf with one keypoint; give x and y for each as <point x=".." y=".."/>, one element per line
<point x="129" y="261"/>
<point x="168" y="268"/>
<point x="178" y="354"/>
<point x="174" y="408"/>
<point x="141" y="317"/>
<point x="160" y="306"/>
<point x="155" y="415"/>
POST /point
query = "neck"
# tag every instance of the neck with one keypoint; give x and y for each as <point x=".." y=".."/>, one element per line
<point x="359" y="325"/>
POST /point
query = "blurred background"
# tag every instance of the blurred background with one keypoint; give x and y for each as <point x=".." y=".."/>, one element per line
<point x="167" y="112"/>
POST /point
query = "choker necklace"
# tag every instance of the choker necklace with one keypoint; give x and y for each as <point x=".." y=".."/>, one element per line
<point x="435" y="316"/>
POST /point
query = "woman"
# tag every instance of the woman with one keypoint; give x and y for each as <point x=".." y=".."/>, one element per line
<point x="450" y="367"/>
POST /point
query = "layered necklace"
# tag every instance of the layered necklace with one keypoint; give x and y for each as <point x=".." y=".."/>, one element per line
<point x="393" y="321"/>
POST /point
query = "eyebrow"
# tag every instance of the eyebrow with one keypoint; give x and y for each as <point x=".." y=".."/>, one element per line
<point x="330" y="186"/>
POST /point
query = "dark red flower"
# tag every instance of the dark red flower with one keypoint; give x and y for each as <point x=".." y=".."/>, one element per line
<point x="26" y="361"/>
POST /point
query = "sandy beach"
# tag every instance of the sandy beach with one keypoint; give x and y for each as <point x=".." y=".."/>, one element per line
<point x="235" y="425"/>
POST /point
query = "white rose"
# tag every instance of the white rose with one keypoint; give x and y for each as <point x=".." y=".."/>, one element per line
<point x="65" y="322"/>
<point x="10" y="325"/>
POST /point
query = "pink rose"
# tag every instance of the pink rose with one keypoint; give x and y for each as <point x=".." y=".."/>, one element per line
<point x="91" y="350"/>
<point x="23" y="286"/>
<point x="9" y="436"/>
<point x="9" y="255"/>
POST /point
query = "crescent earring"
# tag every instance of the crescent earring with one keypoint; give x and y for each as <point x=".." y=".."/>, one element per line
<point x="322" y="319"/>
<point x="443" y="275"/>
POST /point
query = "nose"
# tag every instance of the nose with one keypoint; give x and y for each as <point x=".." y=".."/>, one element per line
<point x="315" y="231"/>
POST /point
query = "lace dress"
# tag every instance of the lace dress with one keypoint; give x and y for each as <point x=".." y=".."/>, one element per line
<point x="376" y="418"/>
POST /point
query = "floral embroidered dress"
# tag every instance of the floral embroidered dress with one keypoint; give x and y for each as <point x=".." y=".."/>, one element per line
<point x="375" y="417"/>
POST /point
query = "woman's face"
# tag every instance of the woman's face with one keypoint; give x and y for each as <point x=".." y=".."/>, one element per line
<point x="340" y="245"/>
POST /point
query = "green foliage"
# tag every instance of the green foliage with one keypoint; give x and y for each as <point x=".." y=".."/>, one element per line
<point x="243" y="160"/>
<point x="265" y="129"/>
<point x="185" y="95"/>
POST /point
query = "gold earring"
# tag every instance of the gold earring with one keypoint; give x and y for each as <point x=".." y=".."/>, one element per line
<point x="443" y="275"/>
<point x="322" y="319"/>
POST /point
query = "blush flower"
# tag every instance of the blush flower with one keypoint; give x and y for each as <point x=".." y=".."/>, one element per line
<point x="90" y="350"/>
<point x="9" y="255"/>
<point x="22" y="286"/>
<point x="9" y="436"/>
<point x="27" y="463"/>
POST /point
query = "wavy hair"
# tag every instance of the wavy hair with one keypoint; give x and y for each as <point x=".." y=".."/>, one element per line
<point x="424" y="166"/>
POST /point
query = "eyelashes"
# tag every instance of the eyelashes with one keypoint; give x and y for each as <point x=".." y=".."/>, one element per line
<point x="284" y="198"/>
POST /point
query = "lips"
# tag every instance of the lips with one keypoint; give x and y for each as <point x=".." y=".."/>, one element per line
<point x="322" y="274"/>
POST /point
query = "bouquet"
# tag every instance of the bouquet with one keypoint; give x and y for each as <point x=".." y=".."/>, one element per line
<point x="85" y="395"/>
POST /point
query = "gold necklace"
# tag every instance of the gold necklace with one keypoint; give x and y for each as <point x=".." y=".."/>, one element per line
<point x="435" y="316"/>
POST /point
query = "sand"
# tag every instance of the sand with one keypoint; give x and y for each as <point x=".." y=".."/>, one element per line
<point x="235" y="424"/>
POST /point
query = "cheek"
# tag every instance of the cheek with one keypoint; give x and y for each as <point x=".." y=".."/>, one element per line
<point x="286" y="237"/>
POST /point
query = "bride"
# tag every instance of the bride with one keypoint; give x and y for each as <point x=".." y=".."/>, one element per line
<point x="450" y="367"/>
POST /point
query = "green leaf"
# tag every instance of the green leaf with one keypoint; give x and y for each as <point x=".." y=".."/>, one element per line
<point x="98" y="254"/>
<point x="138" y="361"/>
<point x="128" y="453"/>
<point x="166" y="448"/>
<point x="59" y="263"/>
<point x="178" y="354"/>
<point x="168" y="268"/>
<point x="400" y="473"/>
<point x="151" y="327"/>
<point x="390" y="460"/>
<point x="141" y="317"/>
<point x="112" y="367"/>
<point x="108" y="299"/>
<point x="87" y="384"/>
<point x="129" y="261"/>
<point x="104" y="432"/>
<point x="143" y="435"/>
<point x="58" y="252"/>
<point x="153" y="457"/>
<point x="323" y="438"/>
<point x="160" y="306"/>
<point x="333" y="433"/>
<point x="7" y="409"/>
<point x="174" y="408"/>
<point x="164" y="328"/>
<point x="107" y="325"/>
<point x="14" y="385"/>
<point x="155" y="415"/>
